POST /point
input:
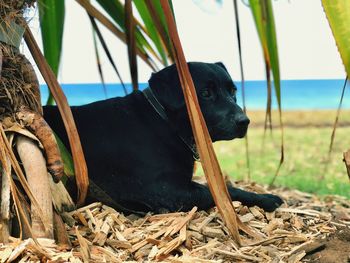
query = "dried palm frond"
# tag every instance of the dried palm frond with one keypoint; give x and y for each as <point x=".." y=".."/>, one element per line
<point x="18" y="88"/>
<point x="209" y="161"/>
<point x="12" y="10"/>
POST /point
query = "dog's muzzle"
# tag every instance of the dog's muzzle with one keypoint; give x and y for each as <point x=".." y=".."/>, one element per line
<point x="230" y="128"/>
<point x="242" y="123"/>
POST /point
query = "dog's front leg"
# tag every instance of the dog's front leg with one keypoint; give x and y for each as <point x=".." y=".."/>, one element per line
<point x="200" y="196"/>
<point x="268" y="202"/>
<point x="175" y="198"/>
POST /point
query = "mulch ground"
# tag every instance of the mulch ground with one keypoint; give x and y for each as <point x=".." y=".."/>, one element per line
<point x="304" y="229"/>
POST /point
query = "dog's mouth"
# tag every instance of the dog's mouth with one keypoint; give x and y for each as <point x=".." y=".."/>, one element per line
<point x="229" y="130"/>
<point x="241" y="131"/>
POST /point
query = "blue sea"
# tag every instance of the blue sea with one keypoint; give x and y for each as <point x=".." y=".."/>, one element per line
<point x="296" y="94"/>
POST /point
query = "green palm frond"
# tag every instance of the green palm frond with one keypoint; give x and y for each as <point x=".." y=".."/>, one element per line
<point x="51" y="14"/>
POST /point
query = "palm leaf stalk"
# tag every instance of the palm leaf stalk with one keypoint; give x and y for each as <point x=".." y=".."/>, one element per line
<point x="347" y="161"/>
<point x="116" y="10"/>
<point x="131" y="43"/>
<point x="210" y="163"/>
<point x="335" y="125"/>
<point x="106" y="50"/>
<point x="156" y="13"/>
<point x="264" y="20"/>
<point x="98" y="63"/>
<point x="238" y="32"/>
<point x="116" y="31"/>
<point x="268" y="115"/>
<point x="62" y="103"/>
<point x="151" y="29"/>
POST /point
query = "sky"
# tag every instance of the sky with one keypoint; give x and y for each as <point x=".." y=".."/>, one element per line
<point x="306" y="46"/>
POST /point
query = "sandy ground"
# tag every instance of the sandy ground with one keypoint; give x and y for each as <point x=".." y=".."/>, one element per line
<point x="316" y="118"/>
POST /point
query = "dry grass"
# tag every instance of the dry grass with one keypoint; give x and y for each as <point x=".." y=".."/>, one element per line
<point x="294" y="118"/>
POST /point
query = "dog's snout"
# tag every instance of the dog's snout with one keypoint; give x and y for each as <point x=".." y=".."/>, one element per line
<point x="242" y="120"/>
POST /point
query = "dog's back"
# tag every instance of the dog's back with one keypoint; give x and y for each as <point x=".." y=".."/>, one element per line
<point x="127" y="146"/>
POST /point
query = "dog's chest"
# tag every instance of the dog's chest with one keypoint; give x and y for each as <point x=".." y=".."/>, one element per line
<point x="144" y="141"/>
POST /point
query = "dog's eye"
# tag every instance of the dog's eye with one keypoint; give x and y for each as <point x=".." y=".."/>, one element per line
<point x="206" y="93"/>
<point x="232" y="91"/>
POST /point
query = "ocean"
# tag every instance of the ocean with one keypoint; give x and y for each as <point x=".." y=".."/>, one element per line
<point x="296" y="94"/>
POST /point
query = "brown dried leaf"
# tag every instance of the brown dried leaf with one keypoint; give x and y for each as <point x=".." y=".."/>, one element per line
<point x="80" y="168"/>
<point x="216" y="181"/>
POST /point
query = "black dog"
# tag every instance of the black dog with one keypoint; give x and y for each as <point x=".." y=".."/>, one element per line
<point x="140" y="148"/>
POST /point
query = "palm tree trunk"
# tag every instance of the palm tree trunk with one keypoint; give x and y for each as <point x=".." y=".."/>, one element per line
<point x="35" y="168"/>
<point x="21" y="112"/>
<point x="5" y="201"/>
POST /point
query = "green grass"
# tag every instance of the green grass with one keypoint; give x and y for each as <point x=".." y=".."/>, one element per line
<point x="306" y="151"/>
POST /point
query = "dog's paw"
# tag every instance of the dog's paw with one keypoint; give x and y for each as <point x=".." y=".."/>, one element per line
<point x="269" y="202"/>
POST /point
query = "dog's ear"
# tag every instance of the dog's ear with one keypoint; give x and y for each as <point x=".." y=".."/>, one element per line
<point x="221" y="65"/>
<point x="167" y="88"/>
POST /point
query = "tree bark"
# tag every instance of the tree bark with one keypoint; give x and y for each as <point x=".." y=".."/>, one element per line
<point x="61" y="235"/>
<point x="5" y="201"/>
<point x="35" y="169"/>
<point x="61" y="199"/>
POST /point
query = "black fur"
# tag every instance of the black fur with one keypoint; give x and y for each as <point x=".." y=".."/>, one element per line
<point x="138" y="158"/>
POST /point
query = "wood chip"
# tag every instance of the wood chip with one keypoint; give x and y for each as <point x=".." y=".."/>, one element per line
<point x="273" y="224"/>
<point x="19" y="250"/>
<point x="100" y="234"/>
<point x="84" y="248"/>
<point x="256" y="212"/>
<point x="213" y="232"/>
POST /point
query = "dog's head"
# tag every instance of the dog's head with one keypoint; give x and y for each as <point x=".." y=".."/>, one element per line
<point x="216" y="94"/>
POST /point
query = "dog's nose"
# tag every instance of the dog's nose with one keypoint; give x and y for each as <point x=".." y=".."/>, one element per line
<point x="242" y="121"/>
